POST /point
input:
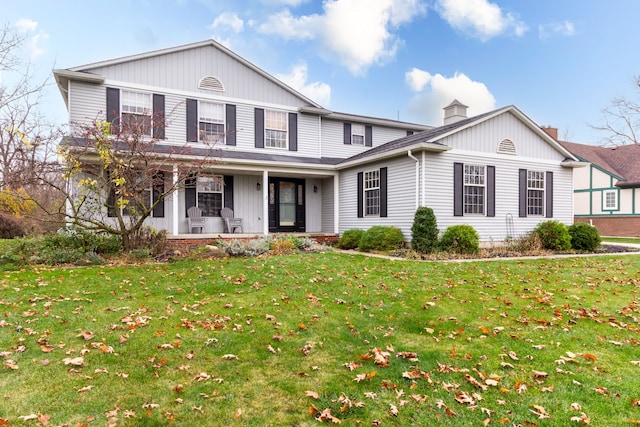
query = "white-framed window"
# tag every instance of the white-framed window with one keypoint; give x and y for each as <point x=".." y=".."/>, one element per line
<point x="535" y="193"/>
<point x="211" y="121"/>
<point x="357" y="134"/>
<point x="372" y="193"/>
<point x="275" y="135"/>
<point x="136" y="109"/>
<point x="610" y="200"/>
<point x="474" y="189"/>
<point x="209" y="195"/>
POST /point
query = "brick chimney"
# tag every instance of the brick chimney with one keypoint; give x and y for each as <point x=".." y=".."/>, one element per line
<point x="551" y="131"/>
<point x="454" y="112"/>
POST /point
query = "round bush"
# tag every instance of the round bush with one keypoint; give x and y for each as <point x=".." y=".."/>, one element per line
<point x="584" y="236"/>
<point x="10" y="227"/>
<point x="461" y="239"/>
<point x="554" y="235"/>
<point x="381" y="238"/>
<point x="350" y="239"/>
<point x="424" y="232"/>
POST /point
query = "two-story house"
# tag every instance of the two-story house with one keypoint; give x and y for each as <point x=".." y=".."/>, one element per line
<point x="286" y="164"/>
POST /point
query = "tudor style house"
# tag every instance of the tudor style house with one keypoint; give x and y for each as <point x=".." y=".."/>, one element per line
<point x="607" y="192"/>
<point x="286" y="164"/>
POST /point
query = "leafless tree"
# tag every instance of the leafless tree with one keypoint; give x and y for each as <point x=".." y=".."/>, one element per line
<point x="621" y="120"/>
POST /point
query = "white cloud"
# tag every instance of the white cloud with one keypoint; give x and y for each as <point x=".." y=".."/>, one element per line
<point x="297" y="79"/>
<point x="426" y="106"/>
<point x="564" y="28"/>
<point x="356" y="33"/>
<point x="228" y="21"/>
<point x="32" y="42"/>
<point x="479" y="18"/>
<point x="26" y="24"/>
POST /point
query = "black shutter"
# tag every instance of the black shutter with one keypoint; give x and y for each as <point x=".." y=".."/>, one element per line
<point x="293" y="132"/>
<point x="113" y="108"/>
<point x="491" y="191"/>
<point x="347" y="133"/>
<point x="158" y="116"/>
<point x="458" y="189"/>
<point x="228" y="191"/>
<point x="189" y="193"/>
<point x="522" y="191"/>
<point x="259" y="127"/>
<point x="192" y="120"/>
<point x="158" y="190"/>
<point x="111" y="202"/>
<point x="548" y="193"/>
<point x="360" y="194"/>
<point x="231" y="124"/>
<point x="368" y="136"/>
<point x="383" y="192"/>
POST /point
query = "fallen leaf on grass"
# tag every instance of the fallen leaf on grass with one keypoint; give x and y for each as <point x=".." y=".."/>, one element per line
<point x="85" y="389"/>
<point x="28" y="417"/>
<point x="540" y="411"/>
<point x="75" y="361"/>
<point x="230" y="357"/>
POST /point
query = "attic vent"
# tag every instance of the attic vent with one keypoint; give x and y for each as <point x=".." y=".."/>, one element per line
<point x="210" y="83"/>
<point x="507" y="146"/>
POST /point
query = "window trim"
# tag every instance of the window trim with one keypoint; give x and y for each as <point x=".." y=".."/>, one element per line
<point x="543" y="190"/>
<point x="358" y="127"/>
<point x="126" y="93"/>
<point x="200" y="120"/>
<point x="616" y="194"/>
<point x="373" y="210"/>
<point x="218" y="183"/>
<point x="466" y="185"/>
<point x="285" y="130"/>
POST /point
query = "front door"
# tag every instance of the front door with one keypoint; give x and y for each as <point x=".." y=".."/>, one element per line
<point x="286" y="205"/>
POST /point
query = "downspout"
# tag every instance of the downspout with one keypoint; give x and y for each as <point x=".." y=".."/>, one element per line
<point x="411" y="156"/>
<point x="424" y="179"/>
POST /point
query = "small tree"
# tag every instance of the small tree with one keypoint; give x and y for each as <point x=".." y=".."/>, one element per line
<point x="424" y="232"/>
<point x="117" y="174"/>
<point x="621" y="121"/>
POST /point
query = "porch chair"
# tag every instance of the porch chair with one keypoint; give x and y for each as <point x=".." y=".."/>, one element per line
<point x="230" y="223"/>
<point x="195" y="219"/>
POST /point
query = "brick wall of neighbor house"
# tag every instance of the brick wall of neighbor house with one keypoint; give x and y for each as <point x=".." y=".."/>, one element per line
<point x="619" y="226"/>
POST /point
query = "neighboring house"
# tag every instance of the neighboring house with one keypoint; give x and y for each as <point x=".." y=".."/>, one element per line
<point x="607" y="193"/>
<point x="290" y="165"/>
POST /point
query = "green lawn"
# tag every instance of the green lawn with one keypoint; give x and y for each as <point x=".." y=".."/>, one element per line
<point x="633" y="240"/>
<point x="291" y="339"/>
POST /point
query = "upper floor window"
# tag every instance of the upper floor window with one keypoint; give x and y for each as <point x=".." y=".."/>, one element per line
<point x="610" y="200"/>
<point x="372" y="192"/>
<point x="136" y="111"/>
<point x="275" y="129"/>
<point x="474" y="189"/>
<point x="535" y="193"/>
<point x="211" y="121"/>
<point x="357" y="134"/>
<point x="210" y="195"/>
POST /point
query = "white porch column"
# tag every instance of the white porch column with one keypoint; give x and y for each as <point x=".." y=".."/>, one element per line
<point x="265" y="202"/>
<point x="175" y="205"/>
<point x="336" y="204"/>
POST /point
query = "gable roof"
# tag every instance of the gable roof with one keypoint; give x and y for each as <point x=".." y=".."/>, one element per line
<point x="82" y="72"/>
<point x="428" y="139"/>
<point x="623" y="162"/>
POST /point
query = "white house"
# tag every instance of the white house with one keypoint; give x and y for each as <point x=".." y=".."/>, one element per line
<point x="288" y="164"/>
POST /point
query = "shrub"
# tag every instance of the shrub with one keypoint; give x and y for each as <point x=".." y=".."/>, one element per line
<point x="284" y="245"/>
<point x="461" y="239"/>
<point x="424" y="232"/>
<point x="350" y="239"/>
<point x="152" y="240"/>
<point x="554" y="235"/>
<point x="381" y="238"/>
<point x="250" y="248"/>
<point x="10" y="228"/>
<point x="530" y="242"/>
<point x="584" y="236"/>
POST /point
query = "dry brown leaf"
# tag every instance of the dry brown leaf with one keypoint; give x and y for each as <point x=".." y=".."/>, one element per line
<point x="312" y="394"/>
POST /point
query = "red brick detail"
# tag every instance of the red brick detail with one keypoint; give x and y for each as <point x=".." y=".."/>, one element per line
<point x="619" y="226"/>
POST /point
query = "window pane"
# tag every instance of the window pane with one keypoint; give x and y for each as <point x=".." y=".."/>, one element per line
<point x="372" y="202"/>
<point x="474" y="200"/>
<point x="357" y="134"/>
<point x="275" y="138"/>
<point x="535" y="193"/>
<point x="276" y="120"/>
<point x="210" y="203"/>
<point x="211" y="132"/>
<point x="211" y="112"/>
<point x="136" y="102"/>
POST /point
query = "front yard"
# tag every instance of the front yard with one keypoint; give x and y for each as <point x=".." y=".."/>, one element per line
<point x="295" y="340"/>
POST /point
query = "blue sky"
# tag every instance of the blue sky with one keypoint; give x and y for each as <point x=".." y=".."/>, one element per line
<point x="560" y="62"/>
